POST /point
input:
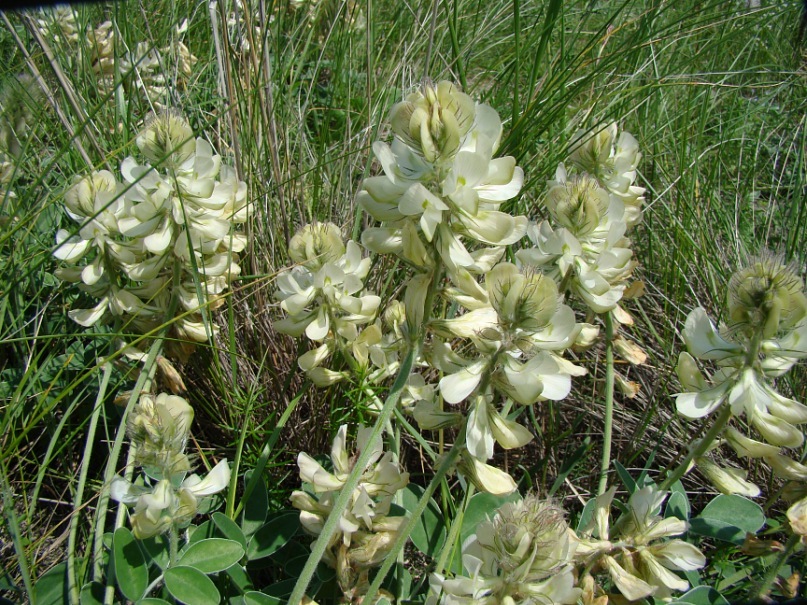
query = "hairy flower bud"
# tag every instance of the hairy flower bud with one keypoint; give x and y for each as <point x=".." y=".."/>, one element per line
<point x="159" y="428"/>
<point x="766" y="296"/>
<point x="316" y="244"/>
<point x="167" y="139"/>
<point x="433" y="120"/>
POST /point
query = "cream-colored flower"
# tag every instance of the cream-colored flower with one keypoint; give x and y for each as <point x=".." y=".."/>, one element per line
<point x="158" y="508"/>
<point x="522" y="556"/>
<point x="433" y="121"/>
<point x="158" y="427"/>
<point x="797" y="516"/>
<point x="727" y="480"/>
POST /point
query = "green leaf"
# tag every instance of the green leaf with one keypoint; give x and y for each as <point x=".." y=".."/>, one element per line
<point x="92" y="593"/>
<point x="258" y="598"/>
<point x="51" y="588"/>
<point x="587" y="515"/>
<point x="273" y="535"/>
<point x="702" y="595"/>
<point x="481" y="507"/>
<point x="152" y="601"/>
<point x="229" y="529"/>
<point x="239" y="577"/>
<point x="191" y="586"/>
<point x="212" y="555"/>
<point x="429" y="534"/>
<point x="203" y="531"/>
<point x="156" y="550"/>
<point x="131" y="572"/>
<point x="280" y="590"/>
<point x="728" y="518"/>
<point x="625" y="477"/>
<point x="255" y="508"/>
<point x="678" y="504"/>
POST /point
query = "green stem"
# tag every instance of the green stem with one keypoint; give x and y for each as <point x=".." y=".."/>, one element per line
<point x="770" y="576"/>
<point x="173" y="545"/>
<point x="605" y="464"/>
<point x="345" y="494"/>
<point x="454" y="532"/>
<point x="403" y="534"/>
<point x="73" y="582"/>
<point x="114" y="454"/>
<point x="699" y="449"/>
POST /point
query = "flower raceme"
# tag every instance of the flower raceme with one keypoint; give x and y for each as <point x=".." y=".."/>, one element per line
<point x="766" y="335"/>
<point x="366" y="531"/>
<point x="523" y="555"/>
<point x="441" y="182"/>
<point x="634" y="551"/>
<point x="164" y="234"/>
<point x="158" y="429"/>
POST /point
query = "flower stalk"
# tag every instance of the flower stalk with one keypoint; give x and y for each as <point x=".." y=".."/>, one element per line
<point x="609" y="403"/>
<point x="700" y="448"/>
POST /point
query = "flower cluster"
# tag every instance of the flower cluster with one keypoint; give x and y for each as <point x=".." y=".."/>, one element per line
<point x="153" y="71"/>
<point x="158" y="429"/>
<point x="324" y="297"/>
<point x="524" y="555"/>
<point x="633" y="552"/>
<point x="157" y="72"/>
<point x="584" y="246"/>
<point x="159" y="245"/>
<point x="442" y="184"/>
<point x="59" y="24"/>
<point x="366" y="530"/>
<point x="765" y="335"/>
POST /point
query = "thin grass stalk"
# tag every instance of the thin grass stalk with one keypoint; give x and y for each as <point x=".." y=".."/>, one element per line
<point x="13" y="525"/>
<point x="64" y="83"/>
<point x="454" y="532"/>
<point x="260" y="465"/>
<point x="457" y="62"/>
<point x="403" y="535"/>
<point x="605" y="463"/>
<point x="149" y="366"/>
<point x="332" y="523"/>
<point x="48" y="95"/>
<point x="73" y="582"/>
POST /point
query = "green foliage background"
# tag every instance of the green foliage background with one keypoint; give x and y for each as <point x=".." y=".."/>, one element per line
<point x="714" y="92"/>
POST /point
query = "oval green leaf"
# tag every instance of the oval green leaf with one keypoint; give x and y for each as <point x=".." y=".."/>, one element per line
<point x="728" y="518"/>
<point x="191" y="586"/>
<point x="212" y="555"/>
<point x="273" y="535"/>
<point x="229" y="529"/>
<point x="258" y="598"/>
<point x="131" y="572"/>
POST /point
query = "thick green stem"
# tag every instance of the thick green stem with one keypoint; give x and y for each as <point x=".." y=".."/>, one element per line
<point x="699" y="448"/>
<point x="74" y="583"/>
<point x="764" y="586"/>
<point x="345" y="494"/>
<point x="609" y="403"/>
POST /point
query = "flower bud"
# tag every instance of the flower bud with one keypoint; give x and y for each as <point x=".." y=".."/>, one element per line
<point x="727" y="480"/>
<point x="797" y="515"/>
<point x="159" y="429"/>
<point x="317" y="244"/>
<point x="434" y="121"/>
<point x="768" y="295"/>
<point x="167" y="139"/>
